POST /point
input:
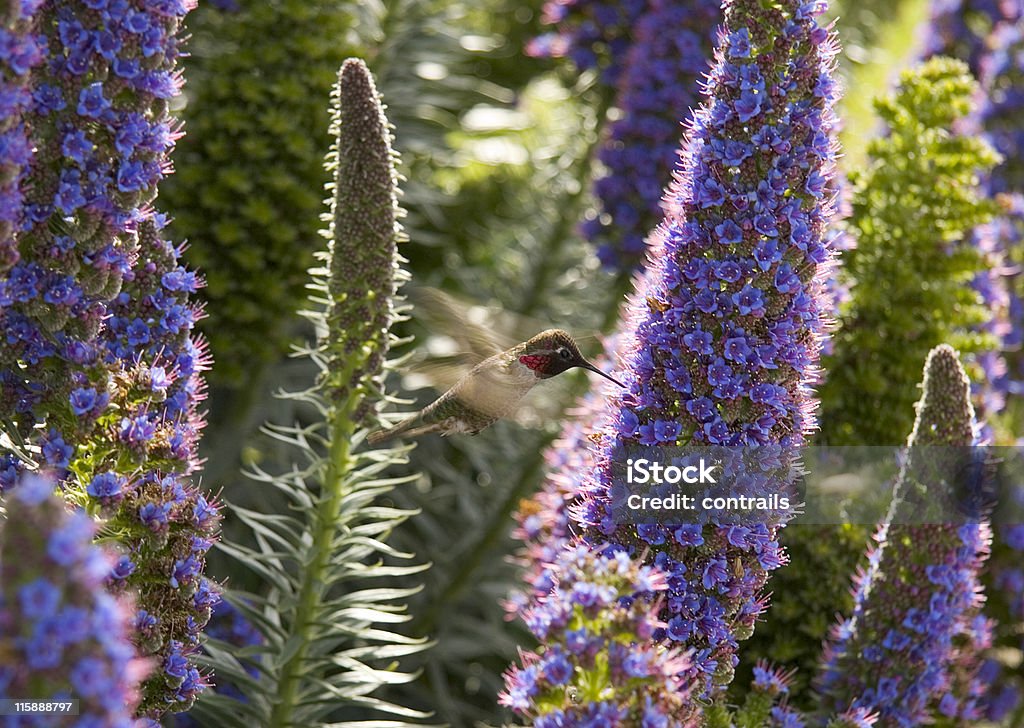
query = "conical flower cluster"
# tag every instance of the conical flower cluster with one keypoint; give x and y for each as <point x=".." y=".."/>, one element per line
<point x="364" y="232"/>
<point x="897" y="653"/>
<point x="727" y="330"/>
<point x="100" y="370"/>
<point x="989" y="37"/>
<point x="671" y="45"/>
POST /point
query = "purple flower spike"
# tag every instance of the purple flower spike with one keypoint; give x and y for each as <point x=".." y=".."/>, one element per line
<point x="21" y="49"/>
<point x="100" y="367"/>
<point x="592" y="33"/>
<point x="722" y="339"/>
<point x="989" y="36"/>
<point x="670" y="47"/>
<point x="897" y="654"/>
<point x="63" y="635"/>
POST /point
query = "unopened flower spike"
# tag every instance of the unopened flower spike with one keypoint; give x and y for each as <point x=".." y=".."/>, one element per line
<point x="363" y="234"/>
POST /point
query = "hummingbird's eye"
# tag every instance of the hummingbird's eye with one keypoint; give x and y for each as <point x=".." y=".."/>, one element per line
<point x="564" y="353"/>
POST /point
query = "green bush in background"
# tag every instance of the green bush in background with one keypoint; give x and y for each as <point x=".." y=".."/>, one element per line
<point x="913" y="207"/>
<point x="250" y="177"/>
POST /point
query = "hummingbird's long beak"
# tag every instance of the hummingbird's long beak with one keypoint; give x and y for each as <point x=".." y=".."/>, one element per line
<point x="587" y="365"/>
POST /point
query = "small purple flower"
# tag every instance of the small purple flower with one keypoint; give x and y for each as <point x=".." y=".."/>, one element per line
<point x="739" y="43"/>
<point x="185" y="570"/>
<point x="175" y="665"/>
<point x="83" y="401"/>
<point x="77" y="147"/>
<point x="749" y="301"/>
<point x="106" y="486"/>
<point x="154" y="515"/>
<point x="123" y="568"/>
<point x="138" y="429"/>
<point x="39" y="597"/>
<point x="56" y="451"/>
<point x="91" y="102"/>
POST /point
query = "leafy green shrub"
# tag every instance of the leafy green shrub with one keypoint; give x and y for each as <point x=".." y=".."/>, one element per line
<point x="912" y="208"/>
<point x="250" y="174"/>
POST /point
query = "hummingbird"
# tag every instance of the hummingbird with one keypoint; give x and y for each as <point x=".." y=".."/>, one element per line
<point x="492" y="389"/>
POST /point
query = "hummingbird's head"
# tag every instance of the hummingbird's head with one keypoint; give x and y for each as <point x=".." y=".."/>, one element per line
<point x="552" y="352"/>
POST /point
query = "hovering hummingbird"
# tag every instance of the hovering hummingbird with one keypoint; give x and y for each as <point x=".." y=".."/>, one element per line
<point x="492" y="389"/>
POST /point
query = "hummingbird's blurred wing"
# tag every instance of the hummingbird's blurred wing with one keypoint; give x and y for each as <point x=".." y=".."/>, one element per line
<point x="458" y="335"/>
<point x="468" y="327"/>
<point x="455" y="326"/>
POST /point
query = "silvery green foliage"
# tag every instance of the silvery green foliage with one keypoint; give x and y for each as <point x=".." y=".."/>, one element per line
<point x="327" y="627"/>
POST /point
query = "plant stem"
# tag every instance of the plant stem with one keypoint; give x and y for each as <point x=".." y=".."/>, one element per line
<point x="311" y="592"/>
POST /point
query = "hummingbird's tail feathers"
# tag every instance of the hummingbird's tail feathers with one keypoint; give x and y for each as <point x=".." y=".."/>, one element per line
<point x="405" y="428"/>
<point x="424" y="430"/>
<point x="378" y="436"/>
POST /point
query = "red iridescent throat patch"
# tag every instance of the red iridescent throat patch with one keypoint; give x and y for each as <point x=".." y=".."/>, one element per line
<point x="536" y="362"/>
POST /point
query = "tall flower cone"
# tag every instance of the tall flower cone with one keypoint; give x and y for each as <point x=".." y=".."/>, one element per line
<point x="330" y="632"/>
<point x="989" y="37"/>
<point x="726" y="332"/>
<point x="101" y="371"/>
<point x="896" y="653"/>
<point x="363" y="232"/>
<point x="723" y="335"/>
